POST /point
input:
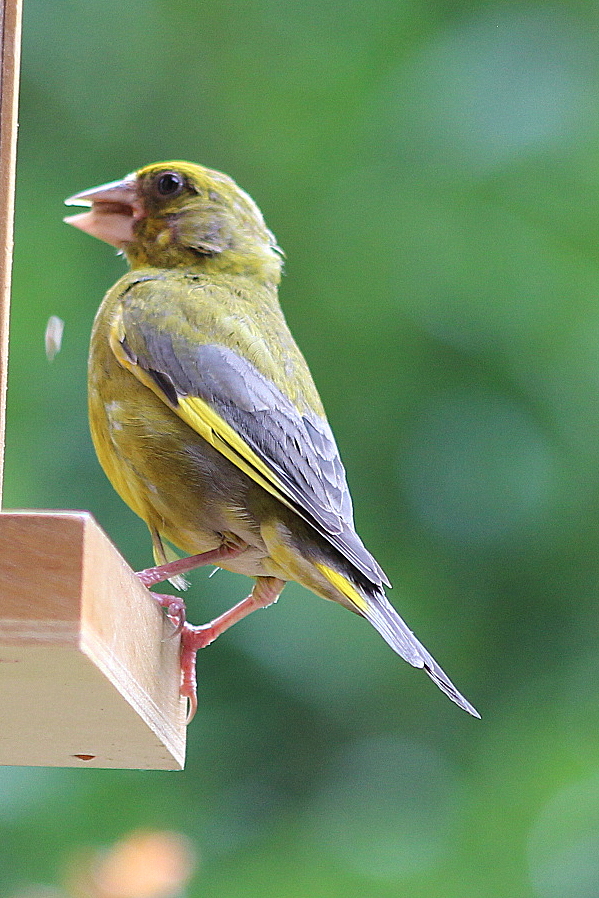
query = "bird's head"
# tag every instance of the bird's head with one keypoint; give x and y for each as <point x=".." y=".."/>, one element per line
<point x="177" y="214"/>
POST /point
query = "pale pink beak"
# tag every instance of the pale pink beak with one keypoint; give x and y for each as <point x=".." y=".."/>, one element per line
<point x="114" y="209"/>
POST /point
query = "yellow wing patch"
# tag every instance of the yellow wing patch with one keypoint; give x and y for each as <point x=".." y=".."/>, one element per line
<point x="206" y="422"/>
<point x="202" y="418"/>
<point x="343" y="585"/>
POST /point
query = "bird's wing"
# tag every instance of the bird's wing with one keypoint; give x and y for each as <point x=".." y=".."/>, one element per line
<point x="232" y="405"/>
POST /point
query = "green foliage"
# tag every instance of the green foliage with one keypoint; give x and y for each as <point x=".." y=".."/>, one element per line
<point x="431" y="170"/>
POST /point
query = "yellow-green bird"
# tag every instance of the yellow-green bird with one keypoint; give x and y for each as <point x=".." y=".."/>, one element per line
<point x="204" y="414"/>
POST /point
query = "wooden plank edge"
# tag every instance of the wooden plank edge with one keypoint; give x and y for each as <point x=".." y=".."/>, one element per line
<point x="62" y="582"/>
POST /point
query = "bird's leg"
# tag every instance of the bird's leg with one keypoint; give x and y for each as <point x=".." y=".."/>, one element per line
<point x="266" y="591"/>
<point x="174" y="605"/>
<point x="161" y="572"/>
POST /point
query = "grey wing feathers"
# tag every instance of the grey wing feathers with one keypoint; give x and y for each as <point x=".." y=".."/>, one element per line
<point x="299" y="448"/>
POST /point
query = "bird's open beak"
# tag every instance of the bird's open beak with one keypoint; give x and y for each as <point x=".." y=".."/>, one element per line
<point x="114" y="209"/>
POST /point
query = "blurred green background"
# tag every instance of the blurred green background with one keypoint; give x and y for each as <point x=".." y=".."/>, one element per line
<point x="432" y="171"/>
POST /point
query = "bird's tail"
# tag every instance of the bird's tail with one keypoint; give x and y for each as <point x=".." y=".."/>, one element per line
<point x="377" y="609"/>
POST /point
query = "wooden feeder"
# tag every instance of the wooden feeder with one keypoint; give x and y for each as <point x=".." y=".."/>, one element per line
<point x="88" y="675"/>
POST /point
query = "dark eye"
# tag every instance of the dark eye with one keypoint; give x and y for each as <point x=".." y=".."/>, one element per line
<point x="169" y="183"/>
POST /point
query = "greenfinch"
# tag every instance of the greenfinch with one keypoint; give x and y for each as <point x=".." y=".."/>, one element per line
<point x="204" y="414"/>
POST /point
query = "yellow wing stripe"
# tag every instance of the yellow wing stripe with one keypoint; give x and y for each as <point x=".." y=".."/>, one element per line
<point x="202" y="418"/>
<point x="206" y="422"/>
<point x="343" y="585"/>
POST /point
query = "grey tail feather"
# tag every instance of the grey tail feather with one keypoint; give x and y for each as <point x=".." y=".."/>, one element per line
<point x="384" y="618"/>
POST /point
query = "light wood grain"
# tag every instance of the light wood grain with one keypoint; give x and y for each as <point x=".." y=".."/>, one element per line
<point x="86" y="668"/>
<point x="10" y="51"/>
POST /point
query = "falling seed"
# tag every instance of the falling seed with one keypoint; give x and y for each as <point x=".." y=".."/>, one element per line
<point x="53" y="336"/>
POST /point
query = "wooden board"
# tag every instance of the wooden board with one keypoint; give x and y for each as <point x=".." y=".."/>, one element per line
<point x="88" y="675"/>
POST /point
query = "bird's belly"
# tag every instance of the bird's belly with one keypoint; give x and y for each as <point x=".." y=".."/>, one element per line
<point x="172" y="478"/>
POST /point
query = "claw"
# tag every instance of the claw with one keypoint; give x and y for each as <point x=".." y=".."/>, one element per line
<point x="192" y="707"/>
<point x="177" y="618"/>
<point x="175" y="611"/>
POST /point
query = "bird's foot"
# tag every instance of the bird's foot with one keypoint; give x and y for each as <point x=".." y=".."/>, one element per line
<point x="175" y="611"/>
<point x="266" y="591"/>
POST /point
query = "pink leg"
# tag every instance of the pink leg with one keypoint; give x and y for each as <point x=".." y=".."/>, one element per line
<point x="266" y="591"/>
<point x="162" y="572"/>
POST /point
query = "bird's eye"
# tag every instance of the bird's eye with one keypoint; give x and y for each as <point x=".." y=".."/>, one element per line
<point x="169" y="183"/>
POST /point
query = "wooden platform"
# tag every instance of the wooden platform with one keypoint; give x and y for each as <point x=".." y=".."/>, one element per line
<point x="88" y="675"/>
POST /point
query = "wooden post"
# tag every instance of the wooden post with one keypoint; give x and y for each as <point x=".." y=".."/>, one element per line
<point x="88" y="673"/>
<point x="10" y="54"/>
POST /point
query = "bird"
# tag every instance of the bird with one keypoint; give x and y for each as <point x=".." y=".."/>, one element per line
<point x="204" y="414"/>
